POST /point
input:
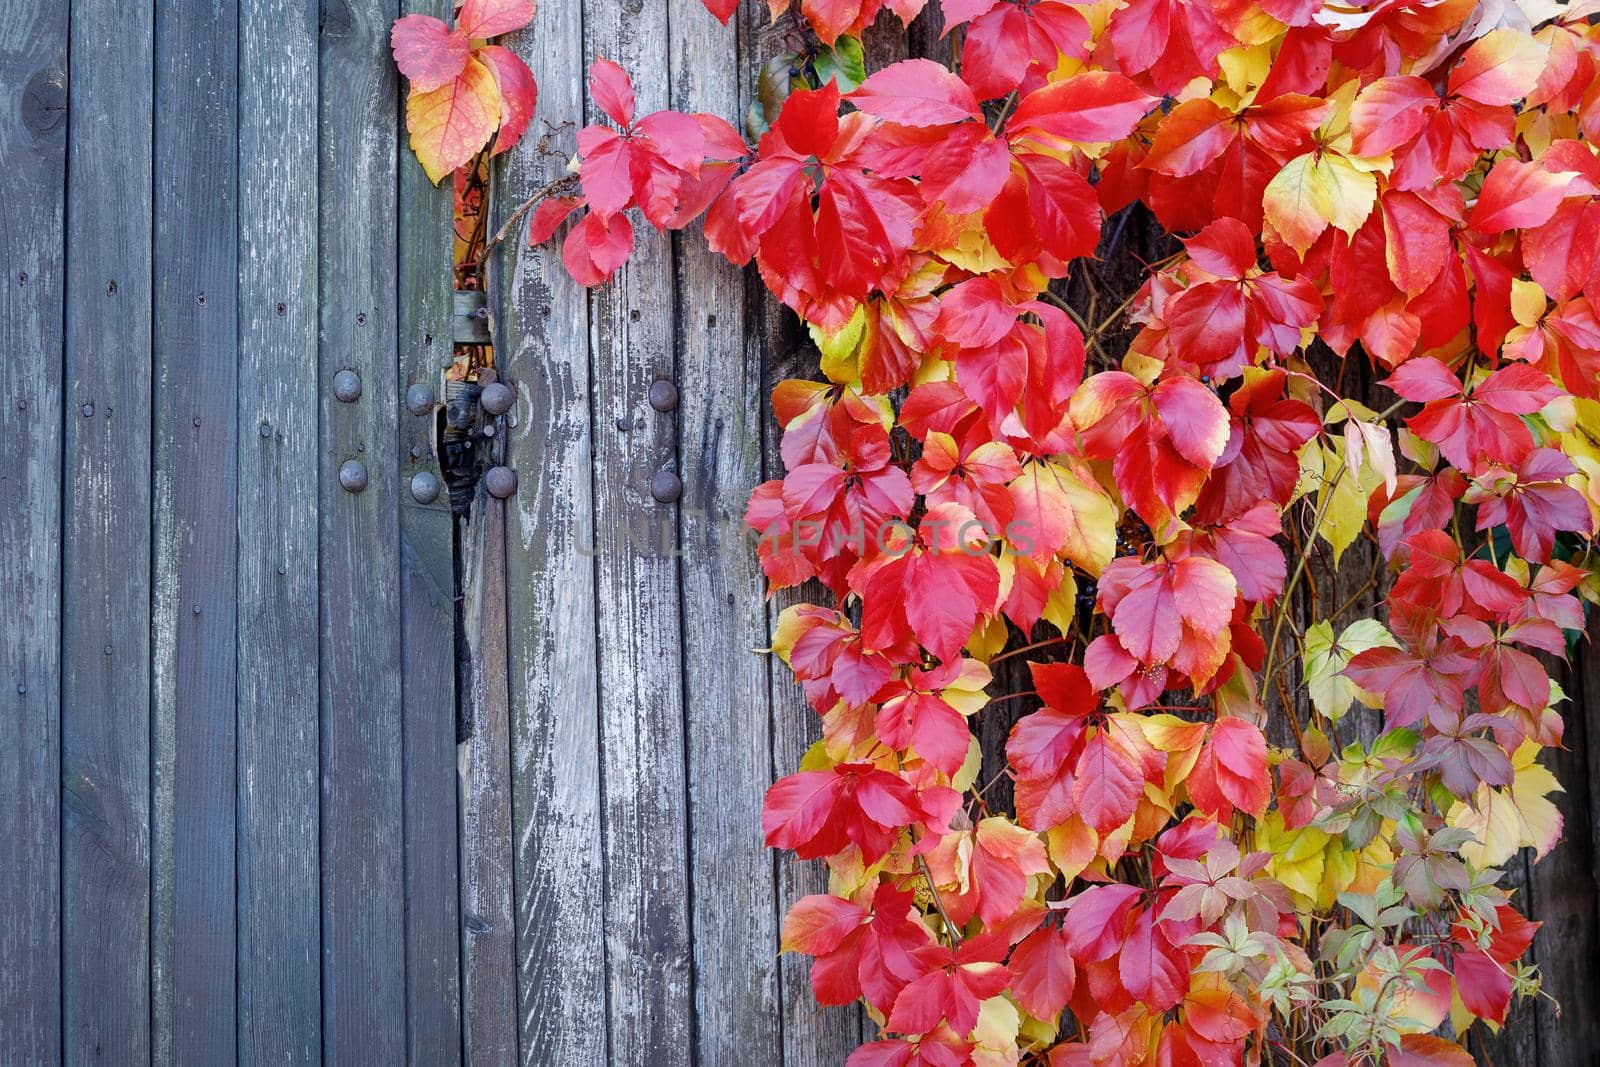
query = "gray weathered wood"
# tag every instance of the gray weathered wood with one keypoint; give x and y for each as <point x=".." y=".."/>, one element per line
<point x="196" y="525"/>
<point x="488" y="936"/>
<point x="105" y="713"/>
<point x="638" y="618"/>
<point x="427" y="626"/>
<point x="363" y="917"/>
<point x="280" y="1003"/>
<point x="550" y="597"/>
<point x="33" y="137"/>
<point x="724" y="617"/>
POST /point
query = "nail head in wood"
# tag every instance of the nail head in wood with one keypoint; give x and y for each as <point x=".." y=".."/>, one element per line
<point x="500" y="481"/>
<point x="424" y="487"/>
<point x="663" y="395"/>
<point x="347" y="386"/>
<point x="353" y="475"/>
<point x="497" y="398"/>
<point x="666" y="487"/>
<point x="419" y="399"/>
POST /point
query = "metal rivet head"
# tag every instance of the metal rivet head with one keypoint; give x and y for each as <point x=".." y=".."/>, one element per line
<point x="419" y="399"/>
<point x="666" y="486"/>
<point x="424" y="487"/>
<point x="347" y="386"/>
<point x="663" y="395"/>
<point x="353" y="475"/>
<point x="624" y="424"/>
<point x="500" y="481"/>
<point x="22" y="689"/>
<point x="266" y="429"/>
<point x="497" y="398"/>
<point x="88" y="409"/>
<point x="108" y="650"/>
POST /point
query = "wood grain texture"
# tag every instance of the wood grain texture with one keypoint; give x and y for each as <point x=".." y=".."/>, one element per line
<point x="105" y="695"/>
<point x="427" y="626"/>
<point x="813" y="1036"/>
<point x="488" y="930"/>
<point x="640" y="645"/>
<point x="33" y="139"/>
<point x="363" y="915"/>
<point x="725" y="684"/>
<point x="1563" y="892"/>
<point x="543" y="333"/>
<point x="196" y="531"/>
<point x="280" y="991"/>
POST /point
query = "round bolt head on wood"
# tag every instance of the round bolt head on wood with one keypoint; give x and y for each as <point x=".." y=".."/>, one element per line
<point x="424" y="487"/>
<point x="663" y="395"/>
<point x="347" y="386"/>
<point x="353" y="475"/>
<point x="666" y="487"/>
<point x="419" y="399"/>
<point x="497" y="398"/>
<point x="500" y="481"/>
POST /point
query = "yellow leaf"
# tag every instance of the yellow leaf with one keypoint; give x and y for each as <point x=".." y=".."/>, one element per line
<point x="1345" y="513"/>
<point x="449" y="124"/>
<point x="995" y="1037"/>
<point x="1527" y="302"/>
<point x="1312" y="192"/>
<point x="1056" y="507"/>
<point x="1505" y="820"/>
<point x="1072" y="846"/>
<point x="1331" y="692"/>
<point x="841" y="349"/>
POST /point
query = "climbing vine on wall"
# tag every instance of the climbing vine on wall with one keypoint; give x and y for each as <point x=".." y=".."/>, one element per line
<point x="1128" y="497"/>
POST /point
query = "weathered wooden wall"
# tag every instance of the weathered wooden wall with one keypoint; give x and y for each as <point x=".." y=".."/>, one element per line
<point x="235" y="820"/>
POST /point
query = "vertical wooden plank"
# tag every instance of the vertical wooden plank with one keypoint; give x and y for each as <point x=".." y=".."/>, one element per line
<point x="724" y="617"/>
<point x="427" y="626"/>
<point x="550" y="596"/>
<point x="105" y="713"/>
<point x="1563" y="885"/>
<point x="196" y="529"/>
<point x="640" y="644"/>
<point x="813" y="1036"/>
<point x="488" y="939"/>
<point x="363" y="921"/>
<point x="280" y="1003"/>
<point x="33" y="137"/>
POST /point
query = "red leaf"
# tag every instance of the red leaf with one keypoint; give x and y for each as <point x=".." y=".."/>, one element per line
<point x="816" y="924"/>
<point x="596" y="247"/>
<point x="490" y="18"/>
<point x="519" y="94"/>
<point x="612" y="91"/>
<point x="1091" y="107"/>
<point x="1107" y="784"/>
<point x="1150" y="968"/>
<point x="1518" y="195"/>
<point x="1390" y="112"/>
<point x="1043" y="972"/>
<point x="722" y="9"/>
<point x="548" y="216"/>
<point x="916" y="92"/>
<point x="428" y="52"/>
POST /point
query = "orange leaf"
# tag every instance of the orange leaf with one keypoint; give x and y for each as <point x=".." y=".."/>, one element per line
<point x="449" y="124"/>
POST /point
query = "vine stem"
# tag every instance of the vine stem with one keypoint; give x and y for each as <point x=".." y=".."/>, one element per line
<point x="1299" y="568"/>
<point x="1046" y="643"/>
<point x="938" y="904"/>
<point x="559" y="187"/>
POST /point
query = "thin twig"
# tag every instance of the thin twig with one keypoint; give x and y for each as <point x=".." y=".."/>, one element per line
<point x="559" y="187"/>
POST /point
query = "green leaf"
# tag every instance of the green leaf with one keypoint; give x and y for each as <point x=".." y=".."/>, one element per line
<point x="1324" y="657"/>
<point x="845" y="63"/>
